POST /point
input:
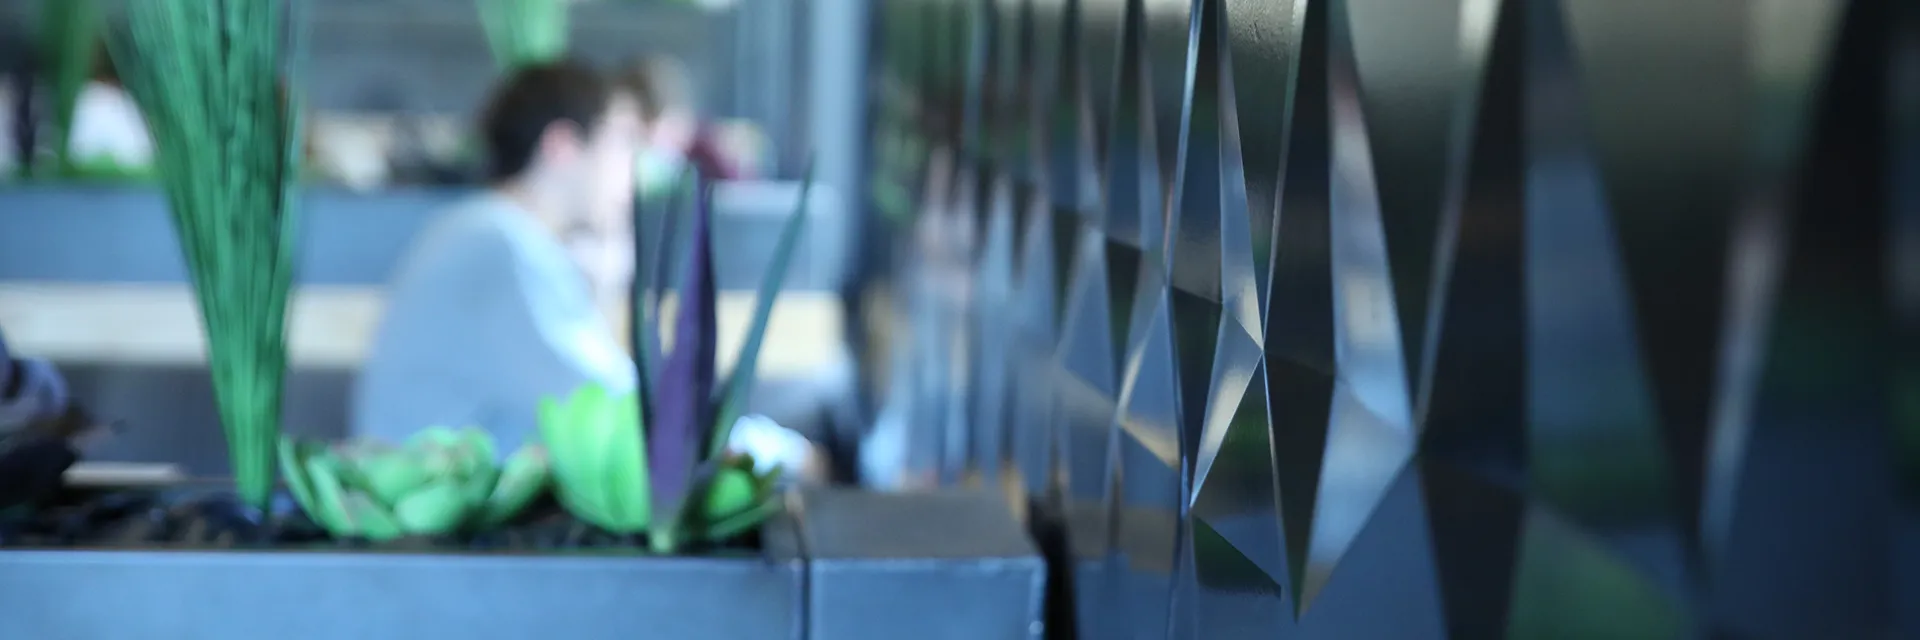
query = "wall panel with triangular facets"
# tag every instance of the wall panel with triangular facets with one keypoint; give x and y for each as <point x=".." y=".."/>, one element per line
<point x="1444" y="319"/>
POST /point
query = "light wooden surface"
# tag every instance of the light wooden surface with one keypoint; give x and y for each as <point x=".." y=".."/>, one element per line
<point x="123" y="474"/>
<point x="332" y="327"/>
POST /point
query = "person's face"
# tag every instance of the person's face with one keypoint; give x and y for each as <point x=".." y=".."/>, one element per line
<point x="594" y="176"/>
<point x="607" y="175"/>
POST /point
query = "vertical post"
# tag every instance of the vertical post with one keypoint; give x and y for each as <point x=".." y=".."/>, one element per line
<point x="838" y="42"/>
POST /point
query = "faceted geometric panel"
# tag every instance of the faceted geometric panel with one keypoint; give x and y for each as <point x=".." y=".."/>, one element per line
<point x="1196" y="333"/>
<point x="1385" y="586"/>
<point x="1904" y="136"/>
<point x="1087" y="386"/>
<point x="1473" y="400"/>
<point x="1569" y="581"/>
<point x="1665" y="91"/>
<point x="1816" y="476"/>
<point x="1795" y="58"/>
<point x="993" y="346"/>
<point x="1012" y="116"/>
<point x="1234" y="524"/>
<point x="1149" y="402"/>
<point x="1407" y="64"/>
<point x="1239" y="563"/>
<point x="1135" y="187"/>
<point x="1475" y="527"/>
<point x="1370" y="435"/>
<point x="1152" y="495"/>
<point x="1466" y="318"/>
<point x="1594" y="441"/>
<point x="1100" y="25"/>
<point x="1166" y="33"/>
<point x="1299" y="327"/>
<point x="1032" y="367"/>
<point x="1067" y="133"/>
<point x="1194" y="262"/>
<point x="935" y="374"/>
<point x="1256" y="68"/>
<point x="1234" y="597"/>
<point x="1183" y="616"/>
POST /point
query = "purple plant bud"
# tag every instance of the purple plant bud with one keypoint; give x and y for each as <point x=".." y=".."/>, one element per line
<point x="682" y="399"/>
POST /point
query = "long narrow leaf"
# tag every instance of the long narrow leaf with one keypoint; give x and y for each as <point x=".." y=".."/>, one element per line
<point x="649" y="282"/>
<point x="739" y="386"/>
<point x="68" y="32"/>
<point x="524" y="32"/>
<point x="206" y="76"/>
<point x="685" y="384"/>
<point x="642" y="336"/>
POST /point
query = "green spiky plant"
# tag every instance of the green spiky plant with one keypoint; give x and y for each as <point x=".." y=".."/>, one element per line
<point x="206" y="75"/>
<point x="655" y="459"/>
<point x="68" y="31"/>
<point x="524" y="32"/>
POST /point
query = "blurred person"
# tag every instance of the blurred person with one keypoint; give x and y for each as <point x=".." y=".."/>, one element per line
<point x="31" y="390"/>
<point x="35" y="437"/>
<point x="108" y="128"/>
<point x="491" y="309"/>
<point x="107" y="125"/>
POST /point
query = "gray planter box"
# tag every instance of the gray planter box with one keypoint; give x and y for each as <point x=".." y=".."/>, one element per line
<point x="921" y="566"/>
<point x="845" y="565"/>
<point x="372" y="595"/>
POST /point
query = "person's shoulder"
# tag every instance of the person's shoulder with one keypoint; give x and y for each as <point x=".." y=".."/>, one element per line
<point x="467" y="237"/>
<point x="479" y="225"/>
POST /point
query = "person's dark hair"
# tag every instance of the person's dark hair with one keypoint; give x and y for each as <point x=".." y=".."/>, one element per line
<point x="530" y="100"/>
<point x="658" y="84"/>
<point x="103" y="68"/>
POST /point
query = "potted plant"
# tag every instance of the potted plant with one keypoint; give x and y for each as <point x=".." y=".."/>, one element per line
<point x="227" y="168"/>
<point x="207" y="78"/>
<point x="646" y="468"/>
<point x="654" y="460"/>
<point x="440" y="482"/>
<point x="517" y="543"/>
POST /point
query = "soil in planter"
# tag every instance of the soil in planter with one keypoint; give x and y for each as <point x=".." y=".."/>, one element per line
<point x="146" y="519"/>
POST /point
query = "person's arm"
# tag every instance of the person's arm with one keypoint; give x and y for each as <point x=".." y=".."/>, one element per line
<point x="31" y="390"/>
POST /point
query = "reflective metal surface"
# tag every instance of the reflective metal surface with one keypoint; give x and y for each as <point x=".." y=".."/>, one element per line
<point x="1465" y="318"/>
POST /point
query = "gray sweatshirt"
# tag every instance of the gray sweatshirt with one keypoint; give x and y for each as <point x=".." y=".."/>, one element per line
<point x="486" y="315"/>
